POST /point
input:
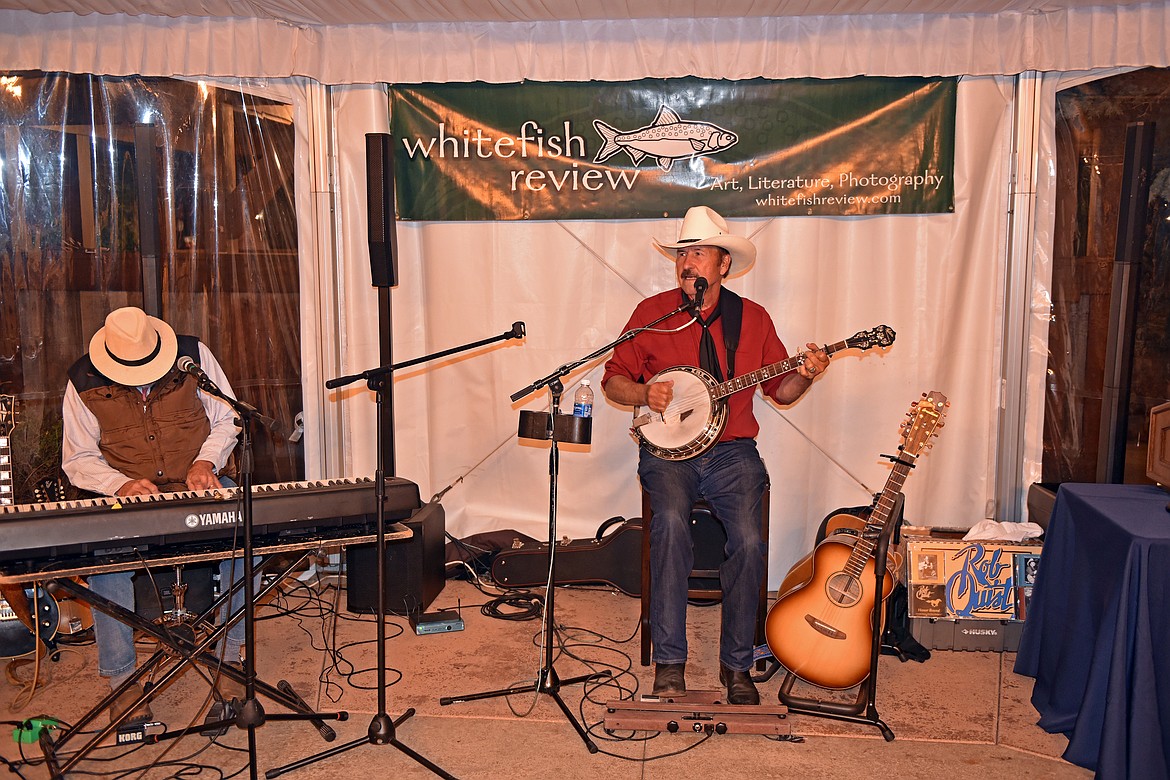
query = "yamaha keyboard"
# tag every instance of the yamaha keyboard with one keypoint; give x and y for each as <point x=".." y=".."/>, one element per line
<point x="165" y="522"/>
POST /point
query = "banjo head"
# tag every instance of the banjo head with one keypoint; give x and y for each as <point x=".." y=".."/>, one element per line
<point x="692" y="421"/>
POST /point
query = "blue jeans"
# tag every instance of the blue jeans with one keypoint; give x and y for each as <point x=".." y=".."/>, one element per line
<point x="115" y="639"/>
<point x="731" y="477"/>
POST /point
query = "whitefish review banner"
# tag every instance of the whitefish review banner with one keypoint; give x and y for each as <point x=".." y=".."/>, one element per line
<point x="655" y="147"/>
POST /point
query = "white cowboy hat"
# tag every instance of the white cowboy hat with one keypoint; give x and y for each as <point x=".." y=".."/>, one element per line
<point x="703" y="227"/>
<point x="133" y="348"/>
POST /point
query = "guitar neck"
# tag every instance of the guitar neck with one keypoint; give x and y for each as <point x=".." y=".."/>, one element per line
<point x="883" y="508"/>
<point x="6" y="495"/>
<point x="7" y="423"/>
<point x="786" y="366"/>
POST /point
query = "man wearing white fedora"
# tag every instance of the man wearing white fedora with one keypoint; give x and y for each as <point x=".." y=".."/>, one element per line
<point x="730" y="475"/>
<point x="133" y="424"/>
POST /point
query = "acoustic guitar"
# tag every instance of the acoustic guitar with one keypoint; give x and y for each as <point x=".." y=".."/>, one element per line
<point x="821" y="630"/>
<point x="697" y="413"/>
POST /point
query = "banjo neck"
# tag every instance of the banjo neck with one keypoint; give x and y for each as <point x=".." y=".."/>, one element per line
<point x="753" y="378"/>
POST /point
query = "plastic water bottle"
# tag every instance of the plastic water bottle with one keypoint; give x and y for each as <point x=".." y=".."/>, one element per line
<point x="583" y="400"/>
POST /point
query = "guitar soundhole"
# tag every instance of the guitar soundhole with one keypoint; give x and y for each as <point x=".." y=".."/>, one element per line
<point x="843" y="589"/>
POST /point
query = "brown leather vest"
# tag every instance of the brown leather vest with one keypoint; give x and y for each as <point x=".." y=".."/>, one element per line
<point x="156" y="438"/>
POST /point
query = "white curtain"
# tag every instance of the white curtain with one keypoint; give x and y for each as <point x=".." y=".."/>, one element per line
<point x="771" y="47"/>
<point x="937" y="280"/>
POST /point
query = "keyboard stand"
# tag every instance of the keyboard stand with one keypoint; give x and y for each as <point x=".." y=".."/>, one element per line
<point x="183" y="654"/>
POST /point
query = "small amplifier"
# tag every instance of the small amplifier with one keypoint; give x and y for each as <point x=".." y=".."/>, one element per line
<point x="437" y="622"/>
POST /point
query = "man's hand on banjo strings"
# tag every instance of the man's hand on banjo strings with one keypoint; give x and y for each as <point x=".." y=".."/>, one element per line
<point x="659" y="395"/>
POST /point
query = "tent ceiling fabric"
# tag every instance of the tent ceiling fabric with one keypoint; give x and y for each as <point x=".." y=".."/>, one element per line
<point x="361" y="12"/>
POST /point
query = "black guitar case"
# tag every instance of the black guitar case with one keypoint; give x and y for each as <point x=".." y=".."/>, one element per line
<point x="613" y="558"/>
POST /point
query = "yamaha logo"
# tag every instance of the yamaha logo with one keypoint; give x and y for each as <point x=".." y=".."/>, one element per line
<point x="206" y="519"/>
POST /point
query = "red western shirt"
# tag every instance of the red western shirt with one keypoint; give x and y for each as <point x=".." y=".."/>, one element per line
<point x="651" y="352"/>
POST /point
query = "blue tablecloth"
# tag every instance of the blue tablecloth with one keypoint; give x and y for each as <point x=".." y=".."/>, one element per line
<point x="1097" y="634"/>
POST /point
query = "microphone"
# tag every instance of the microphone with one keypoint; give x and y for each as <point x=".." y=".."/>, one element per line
<point x="189" y="366"/>
<point x="700" y="288"/>
<point x="517" y="331"/>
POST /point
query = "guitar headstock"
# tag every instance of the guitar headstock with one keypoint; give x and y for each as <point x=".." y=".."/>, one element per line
<point x="881" y="336"/>
<point x="923" y="421"/>
<point x="49" y="490"/>
<point x="7" y="414"/>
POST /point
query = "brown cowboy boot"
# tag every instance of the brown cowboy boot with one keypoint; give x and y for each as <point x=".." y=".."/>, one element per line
<point x="669" y="680"/>
<point x="125" y="701"/>
<point x="740" y="688"/>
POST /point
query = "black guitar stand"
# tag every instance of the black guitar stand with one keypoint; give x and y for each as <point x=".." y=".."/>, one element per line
<point x="551" y="427"/>
<point x="863" y="709"/>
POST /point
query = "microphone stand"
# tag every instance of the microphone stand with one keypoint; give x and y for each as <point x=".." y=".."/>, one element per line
<point x="251" y="714"/>
<point x="383" y="728"/>
<point x="567" y="368"/>
<point x="554" y="427"/>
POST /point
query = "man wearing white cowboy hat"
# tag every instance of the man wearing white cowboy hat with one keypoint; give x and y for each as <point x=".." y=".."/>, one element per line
<point x="136" y="425"/>
<point x="730" y="475"/>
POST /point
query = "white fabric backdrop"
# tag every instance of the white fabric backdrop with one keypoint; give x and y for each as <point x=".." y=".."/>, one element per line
<point x="935" y="279"/>
<point x="775" y="47"/>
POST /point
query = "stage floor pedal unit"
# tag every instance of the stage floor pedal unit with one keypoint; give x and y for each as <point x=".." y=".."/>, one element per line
<point x="699" y="712"/>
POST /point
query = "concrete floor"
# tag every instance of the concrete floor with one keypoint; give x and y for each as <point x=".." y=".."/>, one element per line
<point x="962" y="714"/>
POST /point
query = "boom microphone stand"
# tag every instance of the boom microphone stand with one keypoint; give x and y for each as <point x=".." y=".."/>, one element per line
<point x="555" y="427"/>
<point x="383" y="729"/>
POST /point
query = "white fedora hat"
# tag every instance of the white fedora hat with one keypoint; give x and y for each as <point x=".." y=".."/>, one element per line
<point x="133" y="348"/>
<point x="701" y="226"/>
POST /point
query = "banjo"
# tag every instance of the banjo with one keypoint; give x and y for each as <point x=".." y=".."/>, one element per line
<point x="697" y="414"/>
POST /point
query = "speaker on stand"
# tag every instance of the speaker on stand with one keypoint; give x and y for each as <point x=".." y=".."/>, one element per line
<point x="380" y="206"/>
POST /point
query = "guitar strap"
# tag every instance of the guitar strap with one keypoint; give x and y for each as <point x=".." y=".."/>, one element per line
<point x="732" y="306"/>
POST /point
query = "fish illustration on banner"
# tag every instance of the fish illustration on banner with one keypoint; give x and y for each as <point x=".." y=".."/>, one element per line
<point x="667" y="138"/>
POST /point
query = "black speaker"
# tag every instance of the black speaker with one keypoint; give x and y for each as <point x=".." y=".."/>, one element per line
<point x="380" y="206"/>
<point x="415" y="567"/>
<point x="154" y="590"/>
